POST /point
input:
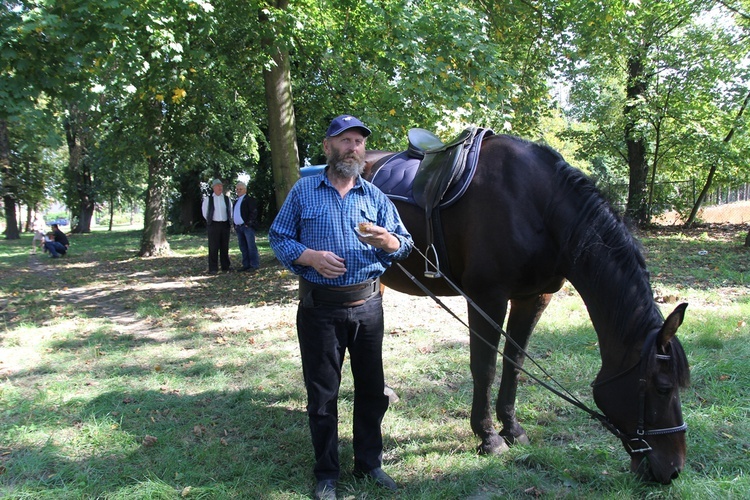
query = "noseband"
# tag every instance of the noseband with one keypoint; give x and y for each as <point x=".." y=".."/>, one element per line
<point x="636" y="443"/>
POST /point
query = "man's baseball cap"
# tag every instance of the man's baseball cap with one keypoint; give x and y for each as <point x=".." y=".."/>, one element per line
<point x="216" y="182"/>
<point x="345" y="122"/>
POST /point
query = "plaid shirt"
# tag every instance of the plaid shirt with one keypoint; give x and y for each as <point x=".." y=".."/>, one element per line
<point x="314" y="216"/>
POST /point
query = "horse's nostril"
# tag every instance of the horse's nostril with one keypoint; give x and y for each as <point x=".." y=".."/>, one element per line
<point x="675" y="474"/>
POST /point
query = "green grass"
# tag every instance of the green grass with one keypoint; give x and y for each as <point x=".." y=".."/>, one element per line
<point x="126" y="378"/>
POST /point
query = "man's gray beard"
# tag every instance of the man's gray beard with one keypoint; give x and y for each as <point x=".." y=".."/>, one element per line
<point x="346" y="168"/>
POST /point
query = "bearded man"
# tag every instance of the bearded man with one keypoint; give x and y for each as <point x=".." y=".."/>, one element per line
<point x="339" y="234"/>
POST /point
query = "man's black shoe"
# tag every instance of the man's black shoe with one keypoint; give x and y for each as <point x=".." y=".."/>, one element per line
<point x="326" y="490"/>
<point x="379" y="476"/>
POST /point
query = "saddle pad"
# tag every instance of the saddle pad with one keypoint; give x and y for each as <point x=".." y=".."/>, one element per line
<point x="396" y="176"/>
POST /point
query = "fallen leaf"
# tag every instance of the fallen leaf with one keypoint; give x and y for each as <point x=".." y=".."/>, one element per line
<point x="533" y="491"/>
<point x="149" y="441"/>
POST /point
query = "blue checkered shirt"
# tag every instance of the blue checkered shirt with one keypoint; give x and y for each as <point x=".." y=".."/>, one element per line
<point x="314" y="216"/>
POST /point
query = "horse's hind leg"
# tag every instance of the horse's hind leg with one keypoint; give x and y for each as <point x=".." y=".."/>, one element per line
<point x="524" y="315"/>
<point x="483" y="369"/>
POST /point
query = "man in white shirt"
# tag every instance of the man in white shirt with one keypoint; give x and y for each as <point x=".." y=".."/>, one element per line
<point x="217" y="210"/>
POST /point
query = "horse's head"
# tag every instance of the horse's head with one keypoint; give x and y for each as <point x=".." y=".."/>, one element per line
<point x="642" y="404"/>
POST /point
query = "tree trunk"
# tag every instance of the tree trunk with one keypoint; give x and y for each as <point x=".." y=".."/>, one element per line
<point x="29" y="216"/>
<point x="637" y="207"/>
<point x="709" y="180"/>
<point x="8" y="182"/>
<point x="11" y="229"/>
<point x="189" y="203"/>
<point x="79" y="175"/>
<point x="154" y="239"/>
<point x="111" y="211"/>
<point x="282" y="133"/>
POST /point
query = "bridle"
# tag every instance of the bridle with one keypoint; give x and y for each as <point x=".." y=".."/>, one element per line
<point x="634" y="443"/>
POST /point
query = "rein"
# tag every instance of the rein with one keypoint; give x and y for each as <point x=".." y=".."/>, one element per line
<point x="635" y="443"/>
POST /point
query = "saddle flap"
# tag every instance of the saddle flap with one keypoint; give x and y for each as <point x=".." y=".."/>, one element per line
<point x="433" y="177"/>
<point x="439" y="168"/>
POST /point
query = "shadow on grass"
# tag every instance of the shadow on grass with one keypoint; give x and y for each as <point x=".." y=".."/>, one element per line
<point x="246" y="440"/>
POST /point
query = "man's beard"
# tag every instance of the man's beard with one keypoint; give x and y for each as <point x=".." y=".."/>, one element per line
<point x="346" y="167"/>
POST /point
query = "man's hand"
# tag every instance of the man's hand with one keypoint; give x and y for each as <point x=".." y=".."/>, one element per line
<point x="328" y="264"/>
<point x="379" y="237"/>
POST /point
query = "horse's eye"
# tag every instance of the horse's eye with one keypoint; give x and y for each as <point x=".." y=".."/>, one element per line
<point x="664" y="390"/>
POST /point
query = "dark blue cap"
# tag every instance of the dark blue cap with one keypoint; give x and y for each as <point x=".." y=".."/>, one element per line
<point x="345" y="122"/>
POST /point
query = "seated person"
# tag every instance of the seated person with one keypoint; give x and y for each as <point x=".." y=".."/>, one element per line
<point x="56" y="242"/>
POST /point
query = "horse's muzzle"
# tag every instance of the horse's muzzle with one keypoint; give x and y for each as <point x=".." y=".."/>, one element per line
<point x="650" y="470"/>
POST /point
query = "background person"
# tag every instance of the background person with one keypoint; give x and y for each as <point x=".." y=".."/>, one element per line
<point x="245" y="219"/>
<point x="340" y="303"/>
<point x="55" y="248"/>
<point x="56" y="242"/>
<point x="38" y="238"/>
<point x="217" y="210"/>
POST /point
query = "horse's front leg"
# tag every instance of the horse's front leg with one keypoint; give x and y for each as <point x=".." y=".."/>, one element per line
<point x="483" y="368"/>
<point x="524" y="315"/>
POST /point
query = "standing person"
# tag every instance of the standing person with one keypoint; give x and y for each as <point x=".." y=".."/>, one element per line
<point x="315" y="236"/>
<point x="56" y="242"/>
<point x="38" y="238"/>
<point x="217" y="210"/>
<point x="245" y="219"/>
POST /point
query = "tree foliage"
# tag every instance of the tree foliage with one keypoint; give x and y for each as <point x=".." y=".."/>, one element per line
<point x="659" y="84"/>
<point x="160" y="94"/>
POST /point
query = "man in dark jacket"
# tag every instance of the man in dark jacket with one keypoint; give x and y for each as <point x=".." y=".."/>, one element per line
<point x="245" y="220"/>
<point x="56" y="242"/>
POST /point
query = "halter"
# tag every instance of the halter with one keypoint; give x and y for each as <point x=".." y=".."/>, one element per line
<point x="636" y="443"/>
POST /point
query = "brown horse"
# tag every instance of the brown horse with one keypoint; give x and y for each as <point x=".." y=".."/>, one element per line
<point x="527" y="222"/>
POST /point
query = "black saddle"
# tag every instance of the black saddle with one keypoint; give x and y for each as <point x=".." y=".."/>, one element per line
<point x="441" y="164"/>
<point x="432" y="175"/>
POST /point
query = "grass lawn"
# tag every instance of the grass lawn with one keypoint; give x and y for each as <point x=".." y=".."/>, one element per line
<point x="130" y="378"/>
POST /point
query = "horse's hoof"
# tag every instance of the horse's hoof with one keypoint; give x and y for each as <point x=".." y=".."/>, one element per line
<point x="492" y="446"/>
<point x="513" y="440"/>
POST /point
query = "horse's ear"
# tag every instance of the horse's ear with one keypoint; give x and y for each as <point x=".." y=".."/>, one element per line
<point x="671" y="324"/>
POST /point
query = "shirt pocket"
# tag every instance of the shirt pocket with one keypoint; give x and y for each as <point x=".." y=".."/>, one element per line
<point x="368" y="214"/>
<point x="315" y="227"/>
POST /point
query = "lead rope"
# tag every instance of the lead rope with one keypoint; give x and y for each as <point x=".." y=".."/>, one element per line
<point x="566" y="395"/>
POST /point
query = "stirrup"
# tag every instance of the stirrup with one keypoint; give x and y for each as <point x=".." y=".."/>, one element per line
<point x="436" y="273"/>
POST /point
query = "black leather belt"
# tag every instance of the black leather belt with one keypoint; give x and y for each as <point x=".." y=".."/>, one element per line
<point x="312" y="294"/>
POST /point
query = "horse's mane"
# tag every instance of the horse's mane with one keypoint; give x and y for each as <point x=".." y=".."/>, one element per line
<point x="600" y="239"/>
